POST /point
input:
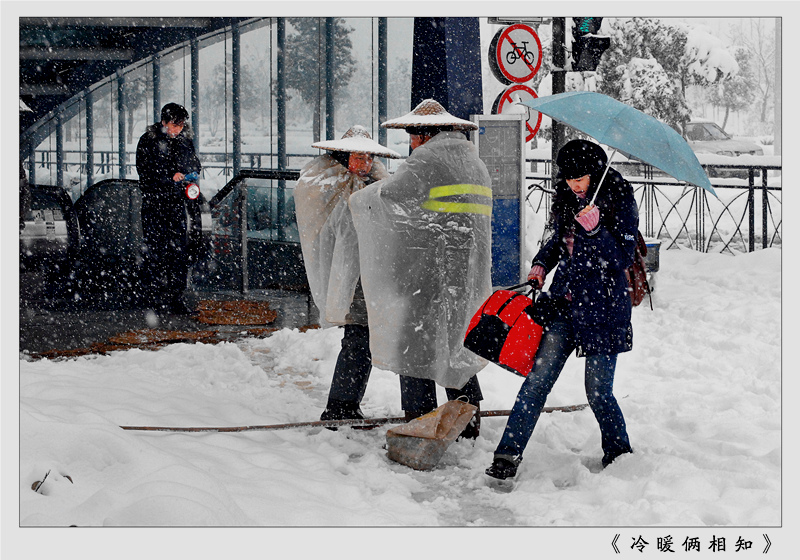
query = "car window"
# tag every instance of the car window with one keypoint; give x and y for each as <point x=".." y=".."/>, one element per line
<point x="696" y="133"/>
<point x="714" y="132"/>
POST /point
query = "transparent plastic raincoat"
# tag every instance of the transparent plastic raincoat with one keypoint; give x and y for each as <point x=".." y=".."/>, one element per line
<point x="328" y="238"/>
<point x="424" y="239"/>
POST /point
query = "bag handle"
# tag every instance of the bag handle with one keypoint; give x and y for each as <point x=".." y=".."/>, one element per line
<point x="530" y="283"/>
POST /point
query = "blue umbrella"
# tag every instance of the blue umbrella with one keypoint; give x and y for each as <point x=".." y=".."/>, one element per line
<point x="625" y="129"/>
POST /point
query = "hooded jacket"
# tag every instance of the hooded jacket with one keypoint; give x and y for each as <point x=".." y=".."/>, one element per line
<point x="328" y="238"/>
<point x="424" y="238"/>
<point x="594" y="275"/>
<point x="159" y="157"/>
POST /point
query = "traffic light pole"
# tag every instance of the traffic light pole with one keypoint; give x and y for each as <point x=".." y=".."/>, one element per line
<point x="559" y="83"/>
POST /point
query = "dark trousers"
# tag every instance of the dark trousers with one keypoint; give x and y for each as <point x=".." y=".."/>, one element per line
<point x="353" y="366"/>
<point x="419" y="395"/>
<point x="165" y="264"/>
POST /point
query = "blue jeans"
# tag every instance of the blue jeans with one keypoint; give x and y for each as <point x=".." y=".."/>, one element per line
<point x="556" y="345"/>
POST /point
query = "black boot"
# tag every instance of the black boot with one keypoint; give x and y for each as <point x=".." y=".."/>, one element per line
<point x="502" y="469"/>
<point x="473" y="429"/>
<point x="342" y="410"/>
<point x="178" y="307"/>
<point x="609" y="458"/>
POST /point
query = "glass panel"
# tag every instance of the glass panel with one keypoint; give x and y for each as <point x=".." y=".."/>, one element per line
<point x="400" y="33"/>
<point x="138" y="111"/>
<point x="305" y="82"/>
<point x="271" y="211"/>
<point x="74" y="130"/>
<point x="44" y="172"/>
<point x="226" y="242"/>
<point x="176" y="77"/>
<point x="356" y="57"/>
<point x="257" y="70"/>
<point x="215" y="138"/>
<point x="105" y="151"/>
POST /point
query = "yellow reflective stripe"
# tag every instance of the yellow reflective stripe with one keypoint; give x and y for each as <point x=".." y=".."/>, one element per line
<point x="450" y="190"/>
<point x="457" y="207"/>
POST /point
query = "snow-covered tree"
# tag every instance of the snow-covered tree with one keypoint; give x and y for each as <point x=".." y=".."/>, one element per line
<point x="216" y="99"/>
<point x="737" y="92"/>
<point x="757" y="35"/>
<point x="305" y="56"/>
<point x="652" y="61"/>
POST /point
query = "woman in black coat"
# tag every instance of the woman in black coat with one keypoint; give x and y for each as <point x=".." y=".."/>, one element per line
<point x="588" y="307"/>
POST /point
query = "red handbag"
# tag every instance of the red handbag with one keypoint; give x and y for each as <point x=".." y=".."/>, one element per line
<point x="504" y="332"/>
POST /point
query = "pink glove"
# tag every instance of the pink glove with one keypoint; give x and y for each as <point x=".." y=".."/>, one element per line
<point x="537" y="273"/>
<point x="590" y="219"/>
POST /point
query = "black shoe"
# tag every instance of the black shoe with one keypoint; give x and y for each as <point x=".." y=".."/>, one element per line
<point x="179" y="307"/>
<point x="608" y="459"/>
<point x="473" y="429"/>
<point x="343" y="410"/>
<point x="502" y="469"/>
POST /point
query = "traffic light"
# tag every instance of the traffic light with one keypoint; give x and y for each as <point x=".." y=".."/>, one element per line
<point x="587" y="48"/>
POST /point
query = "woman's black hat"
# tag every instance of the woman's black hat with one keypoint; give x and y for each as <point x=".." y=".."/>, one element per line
<point x="580" y="157"/>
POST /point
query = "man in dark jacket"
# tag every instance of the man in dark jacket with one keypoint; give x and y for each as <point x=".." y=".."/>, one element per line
<point x="164" y="156"/>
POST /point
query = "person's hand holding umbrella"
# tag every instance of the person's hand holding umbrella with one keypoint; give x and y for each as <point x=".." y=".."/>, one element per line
<point x="589" y="217"/>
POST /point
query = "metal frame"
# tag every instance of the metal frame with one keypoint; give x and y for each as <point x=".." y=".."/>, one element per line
<point x="692" y="216"/>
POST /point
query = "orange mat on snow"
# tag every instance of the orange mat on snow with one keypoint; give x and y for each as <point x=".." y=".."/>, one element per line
<point x="238" y="312"/>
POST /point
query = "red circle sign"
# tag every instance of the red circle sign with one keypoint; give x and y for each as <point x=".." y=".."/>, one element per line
<point x="511" y="98"/>
<point x="515" y="54"/>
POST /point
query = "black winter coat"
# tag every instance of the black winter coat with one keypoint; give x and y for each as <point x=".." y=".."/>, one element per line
<point x="159" y="157"/>
<point x="595" y="273"/>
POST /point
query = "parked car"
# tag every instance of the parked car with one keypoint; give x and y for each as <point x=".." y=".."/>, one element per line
<point x="707" y="137"/>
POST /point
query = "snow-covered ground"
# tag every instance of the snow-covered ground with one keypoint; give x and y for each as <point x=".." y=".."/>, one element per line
<point x="701" y="392"/>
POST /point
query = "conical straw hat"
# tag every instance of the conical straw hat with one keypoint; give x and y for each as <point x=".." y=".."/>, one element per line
<point x="357" y="140"/>
<point x="429" y="113"/>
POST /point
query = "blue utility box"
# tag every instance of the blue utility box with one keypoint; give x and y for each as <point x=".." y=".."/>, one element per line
<point x="500" y="140"/>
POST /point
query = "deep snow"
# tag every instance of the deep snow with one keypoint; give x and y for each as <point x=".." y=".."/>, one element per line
<point x="701" y="392"/>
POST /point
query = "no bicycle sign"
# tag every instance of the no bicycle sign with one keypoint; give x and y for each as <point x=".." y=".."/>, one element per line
<point x="515" y="54"/>
<point x="509" y="101"/>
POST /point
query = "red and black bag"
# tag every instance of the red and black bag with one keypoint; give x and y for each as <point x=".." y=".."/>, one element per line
<point x="504" y="332"/>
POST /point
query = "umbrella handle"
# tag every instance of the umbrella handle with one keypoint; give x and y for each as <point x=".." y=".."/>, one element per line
<point x="603" y="177"/>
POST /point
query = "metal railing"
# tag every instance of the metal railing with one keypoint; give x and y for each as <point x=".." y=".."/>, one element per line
<point x="747" y="213"/>
<point x="215" y="164"/>
<point x="684" y="215"/>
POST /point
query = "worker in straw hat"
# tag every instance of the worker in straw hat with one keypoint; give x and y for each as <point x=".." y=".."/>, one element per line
<point x="425" y="248"/>
<point x="330" y="251"/>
